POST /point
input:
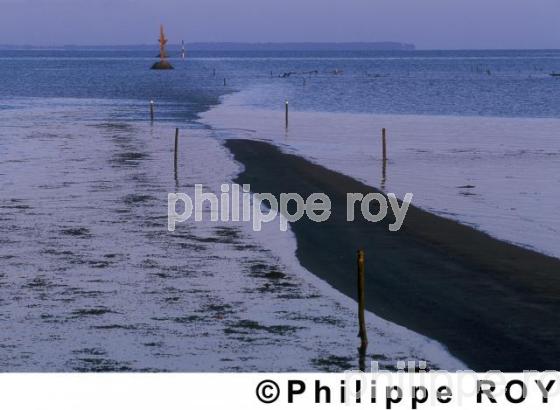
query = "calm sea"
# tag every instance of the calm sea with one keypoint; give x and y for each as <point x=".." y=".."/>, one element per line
<point x="90" y="279"/>
<point x="483" y="83"/>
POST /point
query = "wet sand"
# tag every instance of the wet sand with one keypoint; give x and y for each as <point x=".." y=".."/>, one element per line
<point x="92" y="281"/>
<point x="493" y="304"/>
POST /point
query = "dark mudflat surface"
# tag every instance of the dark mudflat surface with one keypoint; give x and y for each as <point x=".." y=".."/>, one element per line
<point x="494" y="305"/>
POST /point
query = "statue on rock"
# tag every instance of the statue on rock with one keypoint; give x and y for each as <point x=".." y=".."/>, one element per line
<point x="162" y="64"/>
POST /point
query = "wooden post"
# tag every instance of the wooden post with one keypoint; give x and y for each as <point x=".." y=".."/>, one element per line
<point x="176" y="146"/>
<point x="384" y="138"/>
<point x="383" y="175"/>
<point x="287" y="112"/>
<point x="152" y="110"/>
<point x="362" y="302"/>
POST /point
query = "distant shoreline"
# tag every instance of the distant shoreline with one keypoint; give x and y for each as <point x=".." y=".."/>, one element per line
<point x="241" y="46"/>
<point x="270" y="47"/>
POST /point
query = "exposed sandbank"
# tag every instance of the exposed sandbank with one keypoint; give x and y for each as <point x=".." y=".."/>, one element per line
<point x="493" y="304"/>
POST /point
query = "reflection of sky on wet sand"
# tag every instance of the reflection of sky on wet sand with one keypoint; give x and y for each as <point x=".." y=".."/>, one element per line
<point x="497" y="174"/>
<point x="90" y="279"/>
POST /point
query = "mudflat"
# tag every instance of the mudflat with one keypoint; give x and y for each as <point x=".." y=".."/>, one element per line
<point x="494" y="305"/>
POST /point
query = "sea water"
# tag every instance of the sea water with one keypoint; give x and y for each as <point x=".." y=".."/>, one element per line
<point x="90" y="278"/>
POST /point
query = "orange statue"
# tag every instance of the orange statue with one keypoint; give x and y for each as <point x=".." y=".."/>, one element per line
<point x="163" y="64"/>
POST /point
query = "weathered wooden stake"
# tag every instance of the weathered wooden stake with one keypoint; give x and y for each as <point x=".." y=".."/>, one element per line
<point x="362" y="302"/>
<point x="383" y="175"/>
<point x="384" y="138"/>
<point x="152" y="110"/>
<point x="287" y="113"/>
<point x="176" y="146"/>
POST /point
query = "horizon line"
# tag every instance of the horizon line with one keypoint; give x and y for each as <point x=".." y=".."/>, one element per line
<point x="398" y="46"/>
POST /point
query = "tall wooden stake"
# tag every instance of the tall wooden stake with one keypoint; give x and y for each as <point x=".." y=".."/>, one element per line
<point x="176" y="147"/>
<point x="384" y="138"/>
<point x="152" y="111"/>
<point x="362" y="302"/>
<point x="287" y="113"/>
<point x="383" y="175"/>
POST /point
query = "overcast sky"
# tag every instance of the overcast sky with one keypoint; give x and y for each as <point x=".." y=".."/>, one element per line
<point x="447" y="24"/>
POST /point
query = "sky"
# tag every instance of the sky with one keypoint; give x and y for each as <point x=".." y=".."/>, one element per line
<point x="429" y="24"/>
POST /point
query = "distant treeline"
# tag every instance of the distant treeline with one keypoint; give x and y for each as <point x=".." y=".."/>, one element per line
<point x="386" y="45"/>
<point x="356" y="46"/>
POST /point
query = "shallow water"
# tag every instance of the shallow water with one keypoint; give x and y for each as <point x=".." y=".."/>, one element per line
<point x="507" y="83"/>
<point x="91" y="280"/>
<point x="496" y="174"/>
